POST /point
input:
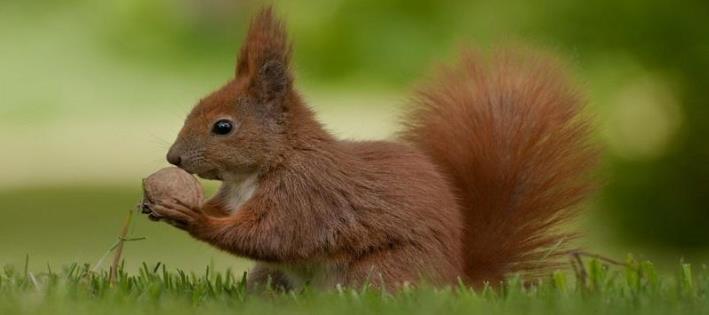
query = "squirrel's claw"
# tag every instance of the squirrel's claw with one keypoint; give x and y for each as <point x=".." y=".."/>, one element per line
<point x="154" y="216"/>
<point x="145" y="208"/>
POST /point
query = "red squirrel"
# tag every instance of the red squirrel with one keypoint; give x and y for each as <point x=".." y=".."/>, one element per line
<point x="494" y="154"/>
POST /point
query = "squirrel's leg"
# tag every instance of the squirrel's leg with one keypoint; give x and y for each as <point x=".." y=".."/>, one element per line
<point x="248" y="232"/>
<point x="261" y="277"/>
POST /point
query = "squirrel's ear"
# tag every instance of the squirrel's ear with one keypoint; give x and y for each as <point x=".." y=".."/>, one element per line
<point x="264" y="60"/>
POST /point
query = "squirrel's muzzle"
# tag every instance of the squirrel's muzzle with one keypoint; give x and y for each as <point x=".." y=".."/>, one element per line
<point x="174" y="158"/>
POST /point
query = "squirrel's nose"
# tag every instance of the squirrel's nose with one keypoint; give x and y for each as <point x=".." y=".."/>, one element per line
<point x="174" y="159"/>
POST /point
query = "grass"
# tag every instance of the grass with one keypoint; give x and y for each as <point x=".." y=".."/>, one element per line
<point x="76" y="289"/>
<point x="58" y="226"/>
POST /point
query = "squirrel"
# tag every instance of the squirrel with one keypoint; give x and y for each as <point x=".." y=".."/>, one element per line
<point x="495" y="154"/>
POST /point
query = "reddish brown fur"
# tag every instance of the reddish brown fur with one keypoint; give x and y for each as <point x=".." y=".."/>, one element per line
<point x="508" y="133"/>
<point x="327" y="211"/>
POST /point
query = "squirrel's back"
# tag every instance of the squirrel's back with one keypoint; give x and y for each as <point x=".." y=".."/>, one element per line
<point x="508" y="133"/>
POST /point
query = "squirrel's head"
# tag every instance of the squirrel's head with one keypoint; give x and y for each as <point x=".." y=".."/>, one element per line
<point x="244" y="125"/>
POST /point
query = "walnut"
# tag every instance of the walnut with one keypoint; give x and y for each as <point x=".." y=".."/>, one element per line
<point x="171" y="183"/>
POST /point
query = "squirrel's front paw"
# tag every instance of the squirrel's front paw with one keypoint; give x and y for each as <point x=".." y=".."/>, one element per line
<point x="175" y="213"/>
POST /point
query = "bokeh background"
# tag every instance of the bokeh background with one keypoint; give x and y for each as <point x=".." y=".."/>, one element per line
<point x="93" y="92"/>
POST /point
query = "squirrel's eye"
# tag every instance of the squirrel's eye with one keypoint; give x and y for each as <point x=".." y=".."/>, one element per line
<point x="222" y="127"/>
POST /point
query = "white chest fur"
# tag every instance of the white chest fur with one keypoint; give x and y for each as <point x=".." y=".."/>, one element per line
<point x="237" y="191"/>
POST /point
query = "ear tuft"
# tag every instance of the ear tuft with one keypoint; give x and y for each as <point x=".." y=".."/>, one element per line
<point x="265" y="55"/>
<point x="274" y="78"/>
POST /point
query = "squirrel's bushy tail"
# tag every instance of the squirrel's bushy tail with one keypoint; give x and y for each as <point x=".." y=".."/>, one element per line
<point x="508" y="132"/>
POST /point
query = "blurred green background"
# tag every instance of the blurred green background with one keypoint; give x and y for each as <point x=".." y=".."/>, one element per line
<point x="93" y="92"/>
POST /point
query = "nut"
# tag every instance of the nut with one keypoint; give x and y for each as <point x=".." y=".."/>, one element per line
<point x="171" y="183"/>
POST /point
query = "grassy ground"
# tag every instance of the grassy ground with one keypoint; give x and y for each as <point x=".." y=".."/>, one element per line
<point x="633" y="289"/>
